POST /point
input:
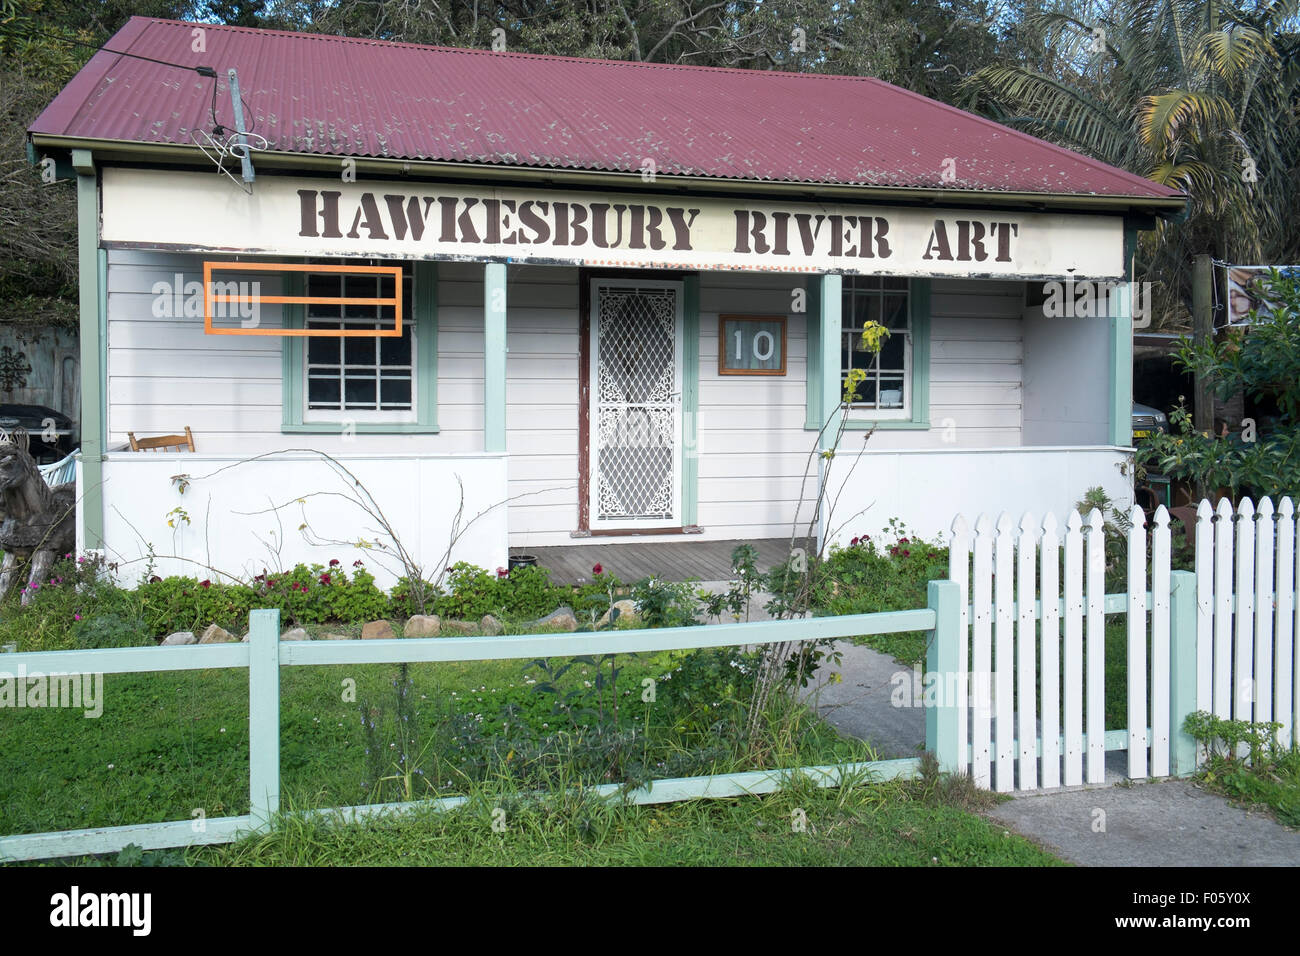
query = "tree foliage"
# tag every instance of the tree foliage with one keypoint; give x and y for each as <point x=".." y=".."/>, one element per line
<point x="1264" y="364"/>
<point x="1200" y="95"/>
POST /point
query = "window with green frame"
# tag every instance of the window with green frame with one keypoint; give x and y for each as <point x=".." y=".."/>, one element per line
<point x="361" y="384"/>
<point x="895" y="393"/>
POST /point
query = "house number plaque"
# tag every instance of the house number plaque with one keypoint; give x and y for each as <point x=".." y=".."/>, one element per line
<point x="751" y="345"/>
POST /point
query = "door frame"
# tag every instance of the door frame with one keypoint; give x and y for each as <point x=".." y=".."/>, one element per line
<point x="688" y="283"/>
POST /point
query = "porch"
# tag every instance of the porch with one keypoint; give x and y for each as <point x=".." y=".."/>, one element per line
<point x="670" y="561"/>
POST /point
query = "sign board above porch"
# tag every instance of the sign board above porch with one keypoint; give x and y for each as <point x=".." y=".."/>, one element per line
<point x="321" y="217"/>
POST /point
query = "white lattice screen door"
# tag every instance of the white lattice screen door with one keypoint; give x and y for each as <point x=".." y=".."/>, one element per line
<point x="636" y="373"/>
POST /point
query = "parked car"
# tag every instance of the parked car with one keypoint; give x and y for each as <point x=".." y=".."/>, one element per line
<point x="1147" y="421"/>
<point x="53" y="435"/>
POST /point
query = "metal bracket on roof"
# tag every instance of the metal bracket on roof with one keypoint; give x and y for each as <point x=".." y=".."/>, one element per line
<point x="241" y="149"/>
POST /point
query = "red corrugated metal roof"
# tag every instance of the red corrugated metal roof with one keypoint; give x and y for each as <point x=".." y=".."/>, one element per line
<point x="351" y="97"/>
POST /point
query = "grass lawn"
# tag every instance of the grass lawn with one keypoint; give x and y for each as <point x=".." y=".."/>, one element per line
<point x="918" y="823"/>
<point x="168" y="744"/>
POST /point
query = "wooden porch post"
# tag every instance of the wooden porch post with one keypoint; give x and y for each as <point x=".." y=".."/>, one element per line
<point x="91" y="295"/>
<point x="494" y="357"/>
<point x="828" y="304"/>
<point x="1121" y="366"/>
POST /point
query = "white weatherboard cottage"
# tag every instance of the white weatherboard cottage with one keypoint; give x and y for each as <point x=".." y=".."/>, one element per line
<point x="585" y="352"/>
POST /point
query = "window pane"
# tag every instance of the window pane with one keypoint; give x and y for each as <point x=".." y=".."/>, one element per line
<point x="895" y="311"/>
<point x="323" y="285"/>
<point x="395" y="392"/>
<point x="322" y="350"/>
<point x="359" y="392"/>
<point x="394" y="351"/>
<point x="891" y="353"/>
<point x="359" y="351"/>
<point x="323" y="392"/>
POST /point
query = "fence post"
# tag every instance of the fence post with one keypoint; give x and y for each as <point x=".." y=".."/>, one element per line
<point x="263" y="717"/>
<point x="1182" y="670"/>
<point x="944" y="676"/>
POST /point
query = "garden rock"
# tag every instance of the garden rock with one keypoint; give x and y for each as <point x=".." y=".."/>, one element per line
<point x="561" y="619"/>
<point x="377" y="630"/>
<point x="217" y="635"/>
<point x="296" y="634"/>
<point x="423" y="625"/>
<point x="626" y="612"/>
<point x="335" y="637"/>
<point x="459" y="628"/>
<point x="176" y="638"/>
<point x="491" y="626"/>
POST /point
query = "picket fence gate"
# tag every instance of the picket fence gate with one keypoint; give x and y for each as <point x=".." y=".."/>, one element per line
<point x="1028" y="707"/>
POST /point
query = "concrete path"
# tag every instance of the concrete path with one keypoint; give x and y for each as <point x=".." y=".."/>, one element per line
<point x="859" y="703"/>
<point x="1169" y="823"/>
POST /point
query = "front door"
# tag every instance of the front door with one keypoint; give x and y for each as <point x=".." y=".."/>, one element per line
<point x="636" y="361"/>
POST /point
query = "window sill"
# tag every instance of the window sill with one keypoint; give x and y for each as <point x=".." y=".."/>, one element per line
<point x="360" y="428"/>
<point x="887" y="425"/>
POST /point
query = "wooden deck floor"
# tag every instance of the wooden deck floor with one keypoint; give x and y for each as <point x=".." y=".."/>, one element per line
<point x="669" y="561"/>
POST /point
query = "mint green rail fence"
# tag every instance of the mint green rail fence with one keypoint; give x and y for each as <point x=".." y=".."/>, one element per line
<point x="264" y="654"/>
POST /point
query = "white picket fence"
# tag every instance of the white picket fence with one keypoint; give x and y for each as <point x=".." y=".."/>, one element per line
<point x="1032" y="640"/>
<point x="1248" y="615"/>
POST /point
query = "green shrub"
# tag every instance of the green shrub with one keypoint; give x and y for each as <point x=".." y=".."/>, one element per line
<point x="869" y="576"/>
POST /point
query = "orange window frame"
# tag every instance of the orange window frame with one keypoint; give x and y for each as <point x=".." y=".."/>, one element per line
<point x="209" y="297"/>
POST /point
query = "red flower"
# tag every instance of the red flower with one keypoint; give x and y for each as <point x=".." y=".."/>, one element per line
<point x="906" y="553"/>
<point x="357" y="563"/>
<point x="155" y="580"/>
<point x="903" y="541"/>
<point x="270" y="582"/>
<point x="854" y="542"/>
<point x="502" y="573"/>
<point x="205" y="583"/>
<point x="324" y="579"/>
<point x="334" y="562"/>
<point x="597" y="569"/>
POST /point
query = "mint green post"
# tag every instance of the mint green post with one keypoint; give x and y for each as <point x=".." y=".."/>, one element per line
<point x="1182" y="671"/>
<point x="91" y="294"/>
<point x="264" y="717"/>
<point x="494" y="357"/>
<point x="828" y="308"/>
<point x="691" y="400"/>
<point x="829" y="302"/>
<point x="943" y="675"/>
<point x="1121" y="362"/>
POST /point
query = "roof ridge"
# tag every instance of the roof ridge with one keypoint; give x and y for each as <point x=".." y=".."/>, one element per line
<point x="521" y="54"/>
<point x="1113" y="172"/>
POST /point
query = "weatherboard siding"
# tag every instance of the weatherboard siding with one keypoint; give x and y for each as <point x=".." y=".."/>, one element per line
<point x="164" y="373"/>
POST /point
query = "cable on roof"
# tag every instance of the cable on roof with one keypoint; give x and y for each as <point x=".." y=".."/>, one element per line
<point x="200" y="70"/>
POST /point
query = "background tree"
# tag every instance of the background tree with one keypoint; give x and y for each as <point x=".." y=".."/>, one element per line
<point x="42" y="45"/>
<point x="1264" y="459"/>
<point x="1196" y="95"/>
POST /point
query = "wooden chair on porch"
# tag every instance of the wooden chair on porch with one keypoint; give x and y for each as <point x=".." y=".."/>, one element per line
<point x="163" y="442"/>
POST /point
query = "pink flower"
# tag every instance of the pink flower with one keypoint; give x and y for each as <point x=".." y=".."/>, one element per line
<point x="502" y="573"/>
<point x="76" y="617"/>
